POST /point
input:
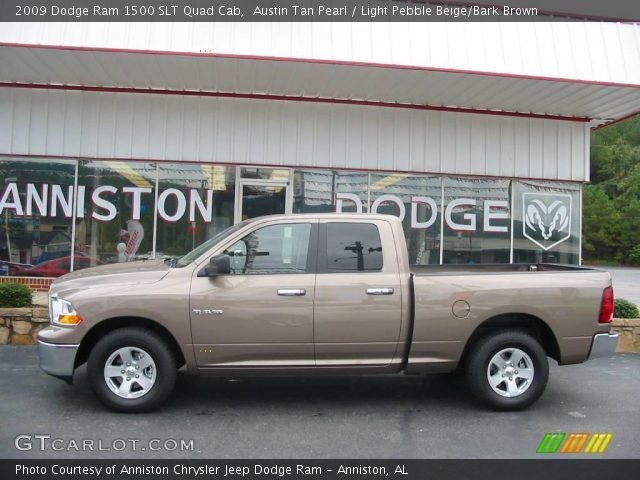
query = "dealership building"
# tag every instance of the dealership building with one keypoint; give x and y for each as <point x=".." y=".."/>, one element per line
<point x="127" y="141"/>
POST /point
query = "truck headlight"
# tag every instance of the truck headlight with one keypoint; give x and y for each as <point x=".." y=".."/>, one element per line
<point x="61" y="312"/>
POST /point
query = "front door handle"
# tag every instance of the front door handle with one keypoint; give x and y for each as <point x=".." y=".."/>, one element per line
<point x="380" y="291"/>
<point x="291" y="292"/>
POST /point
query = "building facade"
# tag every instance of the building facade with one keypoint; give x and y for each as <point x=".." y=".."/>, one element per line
<point x="123" y="142"/>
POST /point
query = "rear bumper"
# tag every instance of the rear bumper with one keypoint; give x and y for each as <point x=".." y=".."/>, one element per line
<point x="57" y="360"/>
<point x="603" y="345"/>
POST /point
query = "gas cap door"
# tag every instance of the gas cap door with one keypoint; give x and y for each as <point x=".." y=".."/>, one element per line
<point x="461" y="309"/>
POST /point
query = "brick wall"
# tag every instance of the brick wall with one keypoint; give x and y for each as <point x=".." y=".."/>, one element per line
<point x="34" y="283"/>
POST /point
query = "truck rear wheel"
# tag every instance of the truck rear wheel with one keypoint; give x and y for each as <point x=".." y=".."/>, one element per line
<point x="507" y="370"/>
<point x="132" y="370"/>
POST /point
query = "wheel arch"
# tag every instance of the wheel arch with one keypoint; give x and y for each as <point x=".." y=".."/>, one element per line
<point x="101" y="329"/>
<point x="521" y="321"/>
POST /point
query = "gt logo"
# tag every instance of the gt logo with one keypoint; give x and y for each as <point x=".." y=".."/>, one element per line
<point x="556" y="442"/>
<point x="547" y="218"/>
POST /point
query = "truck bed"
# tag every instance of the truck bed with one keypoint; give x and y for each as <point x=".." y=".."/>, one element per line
<point x="452" y="301"/>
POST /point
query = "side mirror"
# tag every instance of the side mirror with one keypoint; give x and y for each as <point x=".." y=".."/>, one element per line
<point x="218" y="265"/>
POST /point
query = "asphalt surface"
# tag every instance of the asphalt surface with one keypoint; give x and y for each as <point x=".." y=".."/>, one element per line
<point x="321" y="417"/>
<point x="626" y="282"/>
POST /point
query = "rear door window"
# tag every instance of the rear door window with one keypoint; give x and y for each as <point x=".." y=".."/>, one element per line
<point x="352" y="247"/>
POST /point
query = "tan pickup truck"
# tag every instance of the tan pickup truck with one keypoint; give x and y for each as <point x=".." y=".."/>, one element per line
<point x="322" y="294"/>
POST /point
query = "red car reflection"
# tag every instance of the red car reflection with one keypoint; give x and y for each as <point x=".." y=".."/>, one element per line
<point x="56" y="267"/>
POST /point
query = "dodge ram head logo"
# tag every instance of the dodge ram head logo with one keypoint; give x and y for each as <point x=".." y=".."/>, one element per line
<point x="547" y="218"/>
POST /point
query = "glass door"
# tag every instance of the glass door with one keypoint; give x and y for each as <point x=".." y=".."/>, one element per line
<point x="255" y="198"/>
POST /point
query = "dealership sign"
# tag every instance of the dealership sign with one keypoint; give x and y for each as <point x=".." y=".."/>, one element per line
<point x="546" y="219"/>
<point x="56" y="200"/>
<point x="494" y="210"/>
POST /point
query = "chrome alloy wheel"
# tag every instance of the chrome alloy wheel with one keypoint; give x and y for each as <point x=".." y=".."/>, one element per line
<point x="130" y="372"/>
<point x="510" y="372"/>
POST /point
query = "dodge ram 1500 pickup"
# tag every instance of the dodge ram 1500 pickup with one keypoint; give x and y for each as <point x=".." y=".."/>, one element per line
<point x="321" y="294"/>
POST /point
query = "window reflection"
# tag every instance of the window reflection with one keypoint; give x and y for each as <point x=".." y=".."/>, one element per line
<point x="281" y="174"/>
<point x="324" y="191"/>
<point x="476" y="221"/>
<point x="416" y="200"/>
<point x="353" y="247"/>
<point x="117" y="205"/>
<point x="37" y="203"/>
<point x="276" y="249"/>
<point x="195" y="203"/>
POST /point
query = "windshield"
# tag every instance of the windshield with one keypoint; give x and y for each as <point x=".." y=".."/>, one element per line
<point x="201" y="249"/>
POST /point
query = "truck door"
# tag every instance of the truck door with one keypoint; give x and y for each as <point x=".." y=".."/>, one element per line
<point x="358" y="304"/>
<point x="261" y="315"/>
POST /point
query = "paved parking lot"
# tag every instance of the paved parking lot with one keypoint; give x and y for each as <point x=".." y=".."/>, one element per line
<point x="343" y="417"/>
<point x="626" y="282"/>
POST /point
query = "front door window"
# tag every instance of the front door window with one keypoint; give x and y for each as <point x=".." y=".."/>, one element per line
<point x="275" y="249"/>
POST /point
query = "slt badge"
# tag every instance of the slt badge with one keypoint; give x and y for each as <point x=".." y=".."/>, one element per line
<point x="207" y="311"/>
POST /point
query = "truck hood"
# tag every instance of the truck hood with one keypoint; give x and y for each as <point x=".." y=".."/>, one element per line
<point x="130" y="273"/>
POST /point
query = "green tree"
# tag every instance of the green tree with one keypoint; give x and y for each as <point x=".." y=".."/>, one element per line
<point x="629" y="185"/>
<point x="611" y="206"/>
<point x="599" y="224"/>
<point x="629" y="228"/>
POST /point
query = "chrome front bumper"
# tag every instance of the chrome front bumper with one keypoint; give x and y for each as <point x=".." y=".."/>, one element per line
<point x="603" y="345"/>
<point x="57" y="360"/>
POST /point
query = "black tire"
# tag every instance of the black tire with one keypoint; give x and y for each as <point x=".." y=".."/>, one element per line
<point x="146" y="340"/>
<point x="478" y="365"/>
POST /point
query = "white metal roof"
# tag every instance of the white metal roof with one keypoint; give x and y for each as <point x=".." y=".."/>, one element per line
<point x="186" y="129"/>
<point x="578" y="69"/>
<point x="589" y="51"/>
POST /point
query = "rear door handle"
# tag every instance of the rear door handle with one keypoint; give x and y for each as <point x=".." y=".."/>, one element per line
<point x="380" y="291"/>
<point x="291" y="292"/>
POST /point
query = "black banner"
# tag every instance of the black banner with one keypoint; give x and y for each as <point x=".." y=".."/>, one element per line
<point x="583" y="469"/>
<point x="315" y="10"/>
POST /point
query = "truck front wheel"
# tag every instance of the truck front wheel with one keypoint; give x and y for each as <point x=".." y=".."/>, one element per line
<point x="132" y="370"/>
<point x="507" y="370"/>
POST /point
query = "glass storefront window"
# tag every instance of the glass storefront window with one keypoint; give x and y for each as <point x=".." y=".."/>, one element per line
<point x="195" y="202"/>
<point x="546" y="224"/>
<point x="35" y="211"/>
<point x="324" y="191"/>
<point x="120" y="216"/>
<point x="417" y="201"/>
<point x="259" y="200"/>
<point x="476" y="221"/>
<point x="281" y="174"/>
<point x="116" y="209"/>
